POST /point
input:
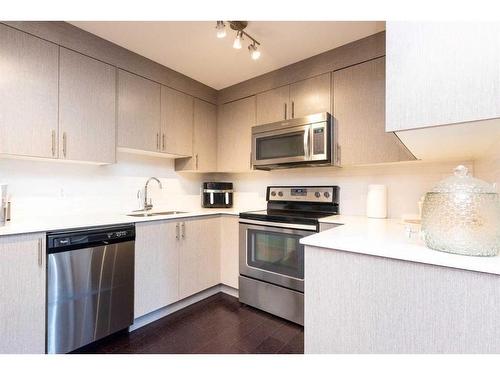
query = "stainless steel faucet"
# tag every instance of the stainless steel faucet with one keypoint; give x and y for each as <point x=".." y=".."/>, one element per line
<point x="149" y="205"/>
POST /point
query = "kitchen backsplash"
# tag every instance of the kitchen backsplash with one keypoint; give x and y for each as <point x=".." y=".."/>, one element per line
<point x="406" y="183"/>
<point x="41" y="189"/>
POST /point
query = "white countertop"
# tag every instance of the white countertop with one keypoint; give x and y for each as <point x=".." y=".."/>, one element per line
<point x="388" y="238"/>
<point x="61" y="222"/>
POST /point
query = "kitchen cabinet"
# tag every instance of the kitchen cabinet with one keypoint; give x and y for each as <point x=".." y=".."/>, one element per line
<point x="22" y="291"/>
<point x="441" y="73"/>
<point x="199" y="255"/>
<point x="229" y="251"/>
<point x="156" y="266"/>
<point x="364" y="304"/>
<point x="139" y="113"/>
<point x="359" y="112"/>
<point x="87" y="108"/>
<point x="28" y="94"/>
<point x="174" y="259"/>
<point x="204" y="140"/>
<point x="234" y="130"/>
<point x="176" y="122"/>
<point x="299" y="99"/>
<point x="273" y="105"/>
<point x="310" y="96"/>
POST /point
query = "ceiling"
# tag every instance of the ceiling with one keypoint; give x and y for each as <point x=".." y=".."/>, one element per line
<point x="191" y="47"/>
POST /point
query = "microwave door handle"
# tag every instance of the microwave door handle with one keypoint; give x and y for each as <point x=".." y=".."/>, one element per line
<point x="306" y="143"/>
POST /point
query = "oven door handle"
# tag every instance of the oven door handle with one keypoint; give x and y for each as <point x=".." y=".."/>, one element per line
<point x="279" y="225"/>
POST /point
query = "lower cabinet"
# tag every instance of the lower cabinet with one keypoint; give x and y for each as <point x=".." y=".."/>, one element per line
<point x="22" y="293"/>
<point x="229" y="251"/>
<point x="156" y="266"/>
<point x="173" y="260"/>
<point x="199" y="255"/>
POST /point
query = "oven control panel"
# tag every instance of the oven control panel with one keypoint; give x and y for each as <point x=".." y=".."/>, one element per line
<point x="320" y="194"/>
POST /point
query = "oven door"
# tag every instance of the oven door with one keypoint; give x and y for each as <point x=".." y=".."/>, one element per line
<point x="290" y="145"/>
<point x="273" y="254"/>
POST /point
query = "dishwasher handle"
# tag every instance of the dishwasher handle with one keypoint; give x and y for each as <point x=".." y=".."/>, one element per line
<point x="90" y="237"/>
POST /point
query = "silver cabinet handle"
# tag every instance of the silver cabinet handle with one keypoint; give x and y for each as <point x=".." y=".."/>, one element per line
<point x="157" y="141"/>
<point x="177" y="231"/>
<point x="64" y="144"/>
<point x="293" y="109"/>
<point x="53" y="139"/>
<point x="196" y="161"/>
<point x="285" y="112"/>
<point x="40" y="262"/>
<point x="163" y="142"/>
<point x="183" y="225"/>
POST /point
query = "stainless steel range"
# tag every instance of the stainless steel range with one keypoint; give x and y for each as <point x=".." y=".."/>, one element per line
<point x="271" y="257"/>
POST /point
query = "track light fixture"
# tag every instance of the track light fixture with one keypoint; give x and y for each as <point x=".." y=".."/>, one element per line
<point x="237" y="40"/>
<point x="221" y="29"/>
<point x="239" y="27"/>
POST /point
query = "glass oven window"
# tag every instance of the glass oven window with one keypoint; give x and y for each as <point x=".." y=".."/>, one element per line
<point x="280" y="146"/>
<point x="276" y="252"/>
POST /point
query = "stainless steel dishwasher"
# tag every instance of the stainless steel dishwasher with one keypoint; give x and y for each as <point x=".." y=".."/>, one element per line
<point x="90" y="285"/>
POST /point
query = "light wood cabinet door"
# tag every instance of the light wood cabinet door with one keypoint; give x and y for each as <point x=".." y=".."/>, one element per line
<point x="229" y="251"/>
<point x="234" y="131"/>
<point x="176" y="122"/>
<point x="310" y="96"/>
<point x="138" y="113"/>
<point x="204" y="140"/>
<point x="359" y="112"/>
<point x="272" y="105"/>
<point x="156" y="266"/>
<point x="87" y="108"/>
<point x="28" y="94"/>
<point x="22" y="293"/>
<point x="441" y="73"/>
<point x="199" y="266"/>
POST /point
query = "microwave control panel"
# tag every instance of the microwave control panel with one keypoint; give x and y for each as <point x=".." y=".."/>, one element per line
<point x="319" y="141"/>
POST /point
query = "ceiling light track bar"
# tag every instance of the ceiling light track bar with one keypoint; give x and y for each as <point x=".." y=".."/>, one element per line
<point x="238" y="26"/>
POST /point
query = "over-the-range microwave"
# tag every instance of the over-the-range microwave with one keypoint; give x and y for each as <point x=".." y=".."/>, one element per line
<point x="300" y="142"/>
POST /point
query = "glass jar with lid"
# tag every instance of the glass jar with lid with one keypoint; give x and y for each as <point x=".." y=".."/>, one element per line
<point x="461" y="215"/>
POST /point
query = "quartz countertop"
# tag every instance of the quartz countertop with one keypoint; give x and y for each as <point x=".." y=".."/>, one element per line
<point x="388" y="238"/>
<point x="62" y="222"/>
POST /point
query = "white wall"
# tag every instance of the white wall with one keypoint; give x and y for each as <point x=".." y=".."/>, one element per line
<point x="406" y="183"/>
<point x="45" y="188"/>
<point x="41" y="188"/>
<point x="488" y="167"/>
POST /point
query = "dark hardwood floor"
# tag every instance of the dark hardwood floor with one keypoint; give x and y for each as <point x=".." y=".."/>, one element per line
<point x="217" y="325"/>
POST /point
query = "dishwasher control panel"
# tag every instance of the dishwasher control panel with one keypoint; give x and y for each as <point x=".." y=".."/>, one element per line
<point x="70" y="240"/>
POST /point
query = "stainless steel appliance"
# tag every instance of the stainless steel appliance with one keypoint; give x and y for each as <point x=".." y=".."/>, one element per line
<point x="271" y="259"/>
<point x="90" y="285"/>
<point x="217" y="195"/>
<point x="306" y="141"/>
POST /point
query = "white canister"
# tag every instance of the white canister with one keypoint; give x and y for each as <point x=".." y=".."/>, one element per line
<point x="376" y="202"/>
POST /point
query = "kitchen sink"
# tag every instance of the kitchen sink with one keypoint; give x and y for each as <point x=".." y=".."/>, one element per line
<point x="146" y="214"/>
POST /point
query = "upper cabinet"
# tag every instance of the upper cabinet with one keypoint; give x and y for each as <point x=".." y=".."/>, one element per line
<point x="310" y="96"/>
<point x="139" y="113"/>
<point x="299" y="99"/>
<point x="176" y="122"/>
<point x="204" y="140"/>
<point x="28" y="94"/>
<point x="441" y="73"/>
<point x="153" y="118"/>
<point x="234" y="130"/>
<point x="359" y="112"/>
<point x="272" y="105"/>
<point x="87" y="108"/>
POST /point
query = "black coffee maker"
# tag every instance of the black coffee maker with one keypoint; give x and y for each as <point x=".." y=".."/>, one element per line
<point x="217" y="195"/>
